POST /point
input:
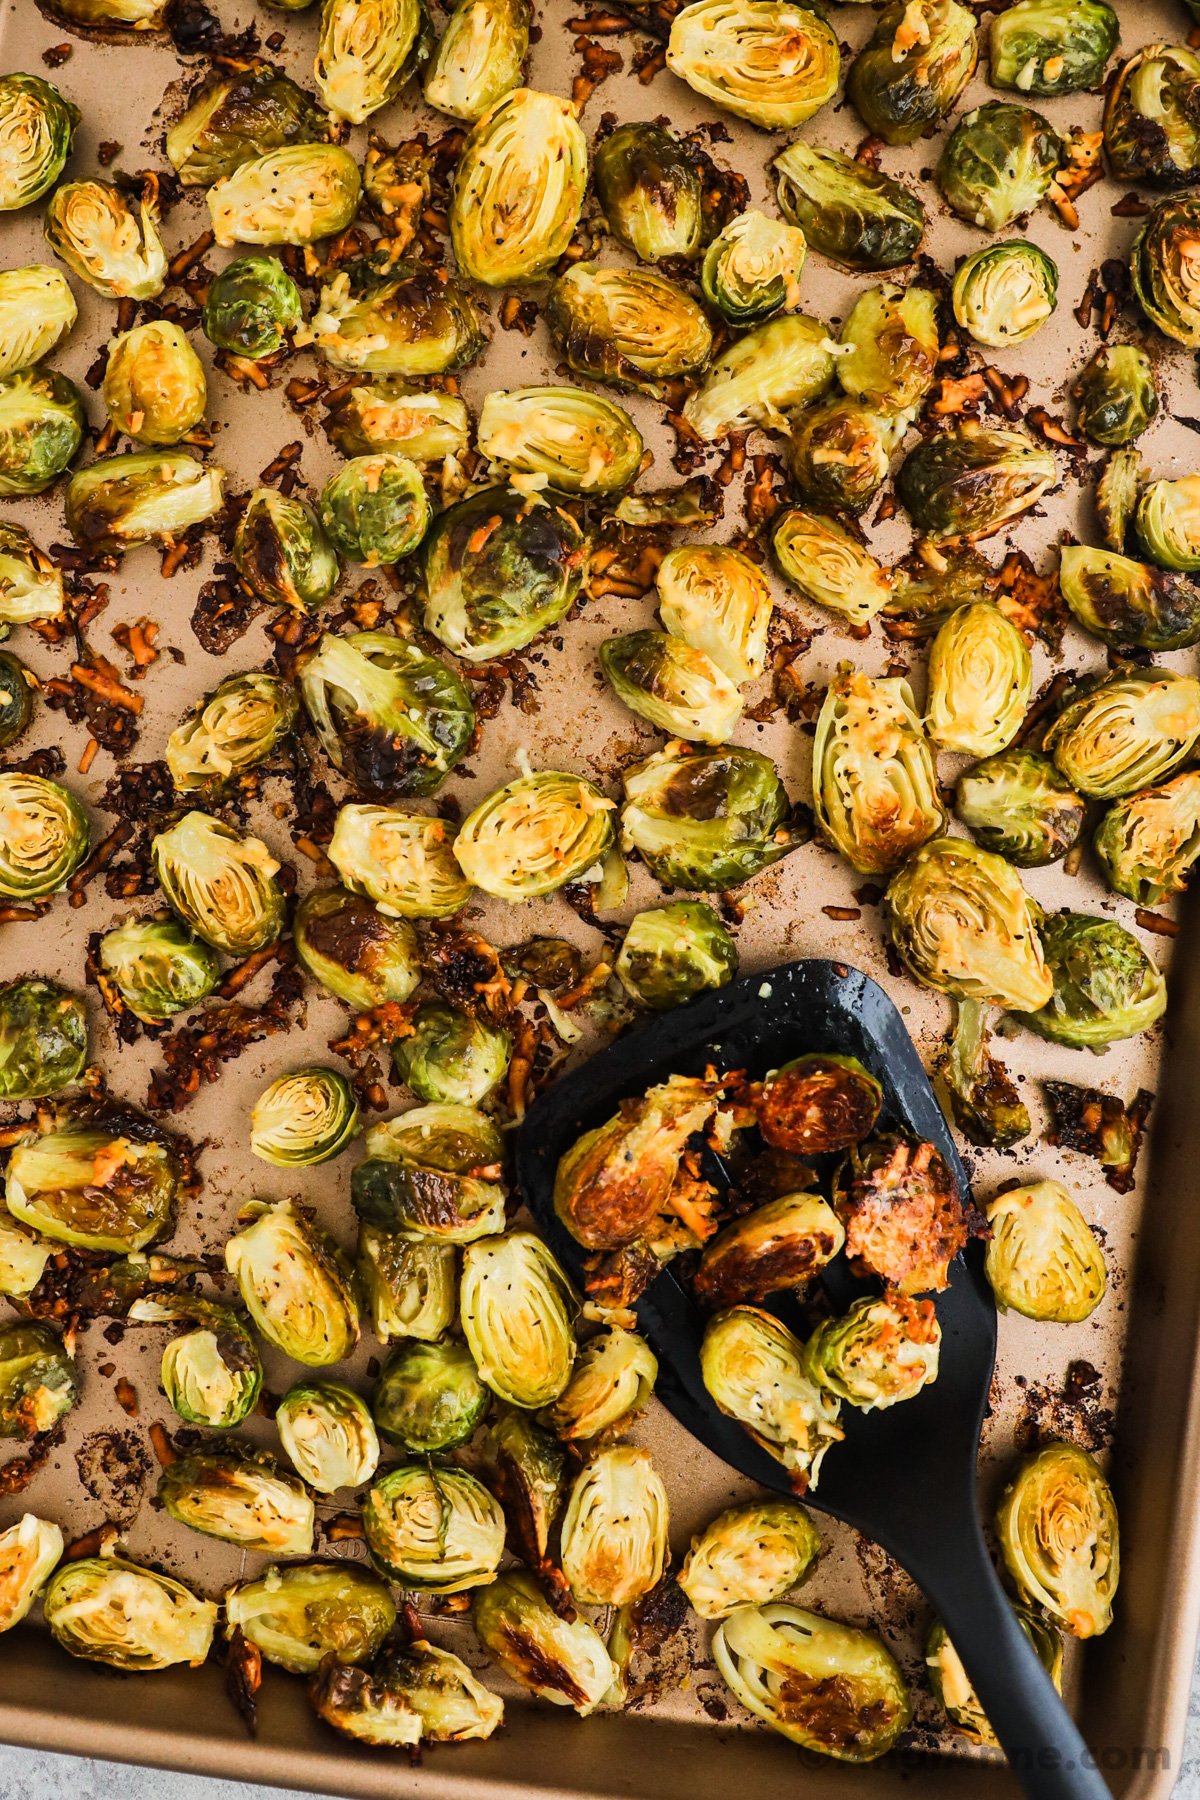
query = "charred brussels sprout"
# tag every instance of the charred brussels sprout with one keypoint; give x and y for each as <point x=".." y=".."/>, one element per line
<point x="837" y="454"/>
<point x="1057" y="1526"/>
<point x="109" y="20"/>
<point x="375" y="509"/>
<point x="1117" y="494"/>
<point x="908" y="77"/>
<point x="329" y="1436"/>
<point x="356" y="951"/>
<point x="767" y="61"/>
<point x="1165" y="268"/>
<point x="707" y="819"/>
<point x="857" y="216"/>
<point x="29" y="1552"/>
<point x="36" y="128"/>
<point x="752" y="270"/>
<point x="404" y="862"/>
<point x="948" y="1678"/>
<point x="154" y="385"/>
<point x="678" y="689"/>
<point x="534" y="835"/>
<point x="875" y="787"/>
<point x="627" y="327"/>
<point x="777" y="367"/>
<point x="37" y="310"/>
<point x="614" y="1532"/>
<point x="564" y="1663"/>
<point x="518" y="1313"/>
<point x="300" y="1614"/>
<point x="1128" y="602"/>
<point x="390" y="415"/>
<point x="429" y="1397"/>
<point x="37" y="1379"/>
<point x="674" y="952"/>
<point x="290" y="196"/>
<point x="754" y="1369"/>
<point x="1105" y="986"/>
<point x="410" y="1285"/>
<point x="749" y="1555"/>
<point x="434" y="1171"/>
<point x="366" y="52"/>
<point x="296" y="1284"/>
<point x="573" y="441"/>
<point x="211" y="1374"/>
<point x="1168" y="527"/>
<point x="1042" y="1258"/>
<point x="932" y="582"/>
<point x="107" y="1610"/>
<point x="719" y="601"/>
<point x="613" y="1378"/>
<point x="219" y="883"/>
<point x="158" y="968"/>
<point x="412" y="1694"/>
<point x="44" y="836"/>
<point x="777" y="1246"/>
<point x="1148" y="843"/>
<point x="102" y="1178"/>
<point x="828" y="565"/>
<point x="152" y="496"/>
<point x="239" y="1496"/>
<point x="479" y="57"/>
<point x="998" y="163"/>
<point x="1117" y="395"/>
<point x="237" y="118"/>
<point x="891" y="340"/>
<point x="251" y="305"/>
<point x="963" y="925"/>
<point x="31" y="587"/>
<point x="980" y="681"/>
<point x="818" y="1103"/>
<point x="650" y="191"/>
<point x="1151" y="132"/>
<point x="1018" y="805"/>
<point x="879" y="1353"/>
<point x="282" y="553"/>
<point x="395" y="320"/>
<point x="437" y="1530"/>
<point x="43" y="1038"/>
<point x="968" y="482"/>
<point x="450" y="1058"/>
<point x="393" y="720"/>
<point x="233" y="729"/>
<point x="1042" y="47"/>
<point x="518" y="189"/>
<point x="302" y="1119"/>
<point x="498" y="569"/>
<point x="116" y="249"/>
<point x="41" y="428"/>
<point x="1004" y="293"/>
<point x="16" y="699"/>
<point x="526" y="1468"/>
<point x="1129" y="732"/>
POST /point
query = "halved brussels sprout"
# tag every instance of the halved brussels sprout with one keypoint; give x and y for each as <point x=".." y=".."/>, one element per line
<point x="674" y="952"/>
<point x="877" y="1354"/>
<point x="817" y="1104"/>
<point x="614" y="1532"/>
<point x="429" y="1397"/>
<point x="971" y="480"/>
<point x="1042" y="1258"/>
<point x="767" y="61"/>
<point x="37" y="1379"/>
<point x="16" y="699"/>
<point x="526" y="1469"/>
<point x="23" y="1258"/>
<point x="219" y="883"/>
<point x="962" y="924"/>
<point x="304" y="1118"/>
<point x="239" y="1496"/>
<point x="650" y="191"/>
<point x="294" y="195"/>
<point x="932" y="581"/>
<point x="95" y="229"/>
<point x="1148" y="843"/>
<point x="434" y="1171"/>
<point x="828" y="565"/>
<point x="1165" y="268"/>
<point x="396" y="318"/>
<point x="752" y="270"/>
<point x="41" y="428"/>
<point x="718" y="600"/>
<point x="749" y="1555"/>
<point x="837" y="453"/>
<point x="151" y="496"/>
<point x="282" y="553"/>
<point x="366" y="52"/>
<point x="104" y="1178"/>
<point x="707" y="819"/>
<point x="1151" y="132"/>
<point x="297" y="1285"/>
<point x="362" y="956"/>
<point x="375" y="509"/>
<point x="43" y="1038"/>
<point x="777" y="367"/>
<point x="1117" y="493"/>
<point x="251" y="305"/>
<point x="478" y="58"/>
<point x="947" y="1677"/>
<point x="437" y="1530"/>
<point x="238" y="117"/>
<point x="754" y="1369"/>
<point x="31" y="587"/>
<point x="1128" y="733"/>
<point x="450" y="1058"/>
<point x="518" y="1311"/>
<point x="534" y="835"/>
<point x="776" y="1246"/>
<point x="906" y="80"/>
<point x="107" y="1610"/>
<point x="1058" y="1532"/>
<point x="36" y="128"/>
<point x="875" y="789"/>
<point x="154" y="385"/>
<point x="44" y="836"/>
<point x="1117" y="394"/>
<point x="576" y="442"/>
<point x="410" y="1285"/>
<point x="233" y="729"/>
<point x="1168" y="527"/>
<point x="612" y="1379"/>
<point x="998" y="163"/>
<point x="391" y="415"/>
<point x="37" y="310"/>
<point x="1105" y="986"/>
<point x="853" y="214"/>
<point x="980" y="681"/>
<point x="411" y="1694"/>
<point x="518" y="189"/>
<point x="565" y="1663"/>
<point x="678" y="689"/>
<point x="211" y="1374"/>
<point x="499" y="567"/>
<point x="630" y="328"/>
<point x="1128" y="602"/>
<point x="300" y="1614"/>
<point x="329" y="1436"/>
<point x="1005" y="292"/>
<point x="158" y="968"/>
<point x="983" y="1102"/>
<point x="393" y="720"/>
<point x="892" y="348"/>
<point x="30" y="1550"/>
<point x="404" y="862"/>
<point x="1042" y="47"/>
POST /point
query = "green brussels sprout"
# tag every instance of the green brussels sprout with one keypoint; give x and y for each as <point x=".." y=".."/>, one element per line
<point x="154" y="385"/>
<point x="1042" y="1257"/>
<point x="718" y="600"/>
<point x="534" y="835"/>
<point x="754" y="1369"/>
<point x="1128" y="602"/>
<point x="963" y="925"/>
<point x="231" y="730"/>
<point x="219" y="883"/>
<point x="569" y="439"/>
<point x="96" y="231"/>
<point x="41" y="428"/>
<point x="437" y="1530"/>
<point x="1005" y="292"/>
<point x="44" y="836"/>
<point x="983" y="1102"/>
<point x="390" y="415"/>
<point x="947" y="1677"/>
<point x="36" y="128"/>
<point x="404" y="862"/>
<point x="612" y="1379"/>
<point x="107" y="1610"/>
<point x="158" y="968"/>
<point x="707" y="819"/>
<point x="239" y="1496"/>
<point x="1117" y="395"/>
<point x="450" y="1058"/>
<point x="37" y="1379"/>
<point x="1151" y="133"/>
<point x="998" y="163"/>
<point x="749" y="1555"/>
<point x="932" y="582"/>
<point x="396" y="320"/>
<point x="762" y="60"/>
<point x="980" y="681"/>
<point x="891" y="354"/>
<point x="674" y="952"/>
<point x="1019" y="806"/>
<point x="393" y="720"/>
<point x="300" y="1614"/>
<point x="1148" y="843"/>
<point x="478" y="58"/>
<point x="282" y="553"/>
<point x="294" y="195"/>
<point x="43" y="1038"/>
<point x="877" y="1354"/>
<point x="500" y="567"/>
<point x="211" y="1374"/>
<point x="375" y="509"/>
<point x="251" y="305"/>
<point x="564" y="1663"/>
<point x="101" y="1178"/>
<point x="854" y="214"/>
<point x="776" y="1246"/>
<point x="971" y="480"/>
<point x="367" y="51"/>
<point x="907" y="79"/>
<point x="777" y="367"/>
<point x="650" y="191"/>
<point x="1058" y="1533"/>
<point x="16" y="699"/>
<point x="434" y="1171"/>
<point x="30" y="1550"/>
<point x="828" y="565"/>
<point x="678" y="689"/>
<point x="1117" y="494"/>
<point x="518" y="189"/>
<point x="352" y="948"/>
<point x="630" y="328"/>
<point x="752" y="270"/>
<point x="37" y="310"/>
<point x="818" y="1103"/>
<point x="429" y="1397"/>
<point x="518" y="1311"/>
<point x="410" y="1285"/>
<point x="411" y="1694"/>
<point x="329" y="1436"/>
<point x="305" y="1118"/>
<point x="837" y="454"/>
<point x="1105" y="986"/>
<point x="526" y="1469"/>
<point x="614" y="1533"/>
<point x="109" y="21"/>
<point x="31" y="587"/>
<point x="875" y="788"/>
<point x="1168" y="527"/>
<point x="1042" y="47"/>
<point x="237" y="118"/>
<point x="1130" y="732"/>
<point x="151" y="496"/>
<point x="1164" y="265"/>
<point x="296" y="1284"/>
<point x="23" y="1258"/>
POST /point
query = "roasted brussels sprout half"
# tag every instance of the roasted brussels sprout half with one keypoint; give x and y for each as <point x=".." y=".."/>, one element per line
<point x="375" y="509"/>
<point x="984" y="1104"/>
<point x="211" y="1374"/>
<point x="103" y="1178"/>
<point x="366" y="52"/>
<point x="404" y="862"/>
<point x="614" y="1532"/>
<point x="969" y="481"/>
<point x="300" y="1614"/>
<point x="1057" y="1526"/>
<point x="998" y="163"/>
<point x="390" y="415"/>
<point x="875" y="788"/>
<point x="518" y="1311"/>
<point x="352" y="948"/>
<point x="296" y="1284"/>
<point x="828" y="565"/>
<point x="817" y="1104"/>
<point x="44" y="836"/>
<point x="23" y="1258"/>
<point x="1128" y="733"/>
<point x="962" y="924"/>
<point x="891" y="353"/>
<point x="948" y="1678"/>
<point x="1004" y="293"/>
<point x="707" y="819"/>
<point x="107" y="1610"/>
<point x="980" y="681"/>
<point x="329" y="1436"/>
<point x="612" y="1379"/>
<point x="777" y="367"/>
<point x="438" y="1530"/>
<point x="903" y="1216"/>
<point x="94" y="227"/>
<point x="290" y="196"/>
<point x="238" y="117"/>
<point x="450" y="1058"/>
<point x="1164" y="265"/>
<point x="776" y="1246"/>
<point x="763" y="60"/>
<point x="499" y="567"/>
<point x="877" y="1354"/>
<point x="1148" y="843"/>
<point x="30" y="1550"/>
<point x="478" y="58"/>
<point x="571" y="440"/>
<point x="752" y="270"/>
<point x="907" y="79"/>
<point x="219" y="883"/>
<point x="36" y="128"/>
<point x="1042" y="47"/>
<point x="37" y="310"/>
<point x="411" y="1694"/>
<point x="718" y="600"/>
<point x="239" y="1496"/>
<point x="37" y="1379"/>
<point x="1042" y="1258"/>
<point x="650" y="191"/>
<point x="837" y="454"/>
<point x="1128" y="602"/>
<point x="231" y="730"/>
<point x="429" y="1397"/>
<point x="853" y="214"/>
<point x="1117" y="395"/>
<point x="1151" y="133"/>
<point x="154" y="385"/>
<point x="932" y="582"/>
<point x="565" y="1663"/>
<point x="674" y="952"/>
<point x="518" y="189"/>
<point x="754" y="1369"/>
<point x="393" y="720"/>
<point x="304" y="1118"/>
<point x="41" y="428"/>
<point x="282" y="553"/>
<point x="678" y="689"/>
<point x="158" y="968"/>
<point x="534" y="835"/>
<point x="43" y="1038"/>
<point x="410" y="1285"/>
<point x="1117" y="493"/>
<point x="152" y="496"/>
<point x="1105" y="986"/>
<point x="749" y="1555"/>
<point x="434" y="1171"/>
<point x="251" y="305"/>
<point x="398" y="319"/>
<point x="630" y="328"/>
<point x="31" y="587"/>
<point x="16" y="699"/>
<point x="1168" y="527"/>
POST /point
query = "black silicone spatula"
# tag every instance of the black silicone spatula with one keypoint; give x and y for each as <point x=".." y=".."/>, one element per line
<point x="906" y="1476"/>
